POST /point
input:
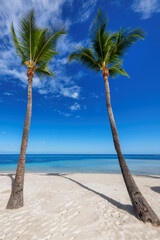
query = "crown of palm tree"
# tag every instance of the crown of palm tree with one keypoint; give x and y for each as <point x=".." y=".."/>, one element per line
<point x="36" y="46"/>
<point x="106" y="48"/>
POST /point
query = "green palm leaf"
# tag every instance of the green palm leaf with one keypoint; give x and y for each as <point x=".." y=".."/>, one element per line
<point x="106" y="47"/>
<point x="39" y="42"/>
<point x="36" y="46"/>
<point x="43" y="71"/>
<point x="109" y="56"/>
<point x="85" y="57"/>
<point x="98" y="38"/>
<point x="47" y="45"/>
<point x="17" y="45"/>
<point x="117" y="69"/>
<point x="28" y="32"/>
<point x="126" y="38"/>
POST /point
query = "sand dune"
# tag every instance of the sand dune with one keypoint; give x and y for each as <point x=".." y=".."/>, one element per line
<point x="77" y="206"/>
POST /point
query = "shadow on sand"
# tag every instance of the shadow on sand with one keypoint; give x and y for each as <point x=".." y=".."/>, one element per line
<point x="148" y="176"/>
<point x="156" y="189"/>
<point x="119" y="205"/>
<point x="10" y="175"/>
<point x="127" y="208"/>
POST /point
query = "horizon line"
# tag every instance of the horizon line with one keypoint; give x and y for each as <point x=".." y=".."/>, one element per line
<point x="80" y="153"/>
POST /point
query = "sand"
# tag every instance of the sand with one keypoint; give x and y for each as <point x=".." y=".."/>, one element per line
<point x="77" y="206"/>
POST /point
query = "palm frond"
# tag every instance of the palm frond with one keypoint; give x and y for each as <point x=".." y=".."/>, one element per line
<point x="17" y="45"/>
<point x="126" y="38"/>
<point x="36" y="46"/>
<point x="28" y="32"/>
<point x="85" y="57"/>
<point x="39" y="42"/>
<point x="116" y="69"/>
<point x="47" y="45"/>
<point x="99" y="22"/>
<point x="106" y="47"/>
<point x="98" y="38"/>
<point x="43" y="71"/>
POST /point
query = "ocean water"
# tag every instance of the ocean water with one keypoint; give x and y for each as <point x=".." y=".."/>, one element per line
<point x="82" y="163"/>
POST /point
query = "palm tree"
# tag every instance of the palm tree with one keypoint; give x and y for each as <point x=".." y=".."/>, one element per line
<point x="105" y="53"/>
<point x="36" y="47"/>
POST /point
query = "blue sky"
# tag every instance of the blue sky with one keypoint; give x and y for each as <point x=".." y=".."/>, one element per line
<point x="69" y="113"/>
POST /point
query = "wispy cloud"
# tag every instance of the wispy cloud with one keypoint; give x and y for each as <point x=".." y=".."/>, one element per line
<point x="75" y="107"/>
<point x="87" y="8"/>
<point x="63" y="113"/>
<point x="63" y="85"/>
<point x="7" y="93"/>
<point x="47" y="13"/>
<point x="66" y="44"/>
<point x="72" y="92"/>
<point x="9" y="67"/>
<point x="116" y="2"/>
<point x="146" y="7"/>
<point x="43" y="91"/>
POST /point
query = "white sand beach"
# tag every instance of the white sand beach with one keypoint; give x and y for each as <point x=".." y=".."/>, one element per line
<point x="77" y="206"/>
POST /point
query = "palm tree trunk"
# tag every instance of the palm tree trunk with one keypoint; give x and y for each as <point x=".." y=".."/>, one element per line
<point x="16" y="197"/>
<point x="142" y="209"/>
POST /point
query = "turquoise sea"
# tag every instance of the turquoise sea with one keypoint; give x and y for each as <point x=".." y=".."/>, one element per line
<point x="82" y="163"/>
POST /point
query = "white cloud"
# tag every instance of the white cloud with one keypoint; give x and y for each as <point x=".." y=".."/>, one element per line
<point x="63" y="84"/>
<point x="75" y="95"/>
<point x="3" y="132"/>
<point x="18" y="73"/>
<point x="66" y="44"/>
<point x="43" y="91"/>
<point x="7" y="93"/>
<point x="146" y="7"/>
<point x="75" y="107"/>
<point x="72" y="92"/>
<point x="63" y="113"/>
<point x="87" y="8"/>
<point x="47" y="13"/>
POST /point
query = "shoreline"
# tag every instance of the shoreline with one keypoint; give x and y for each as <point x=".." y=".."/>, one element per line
<point x="144" y="164"/>
<point x="77" y="206"/>
<point x="98" y="173"/>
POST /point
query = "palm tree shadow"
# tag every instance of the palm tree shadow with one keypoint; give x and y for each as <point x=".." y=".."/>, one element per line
<point x="11" y="176"/>
<point x="148" y="176"/>
<point x="156" y="189"/>
<point x="127" y="208"/>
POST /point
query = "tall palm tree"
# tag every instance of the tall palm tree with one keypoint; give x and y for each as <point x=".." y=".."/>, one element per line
<point x="105" y="53"/>
<point x="36" y="47"/>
